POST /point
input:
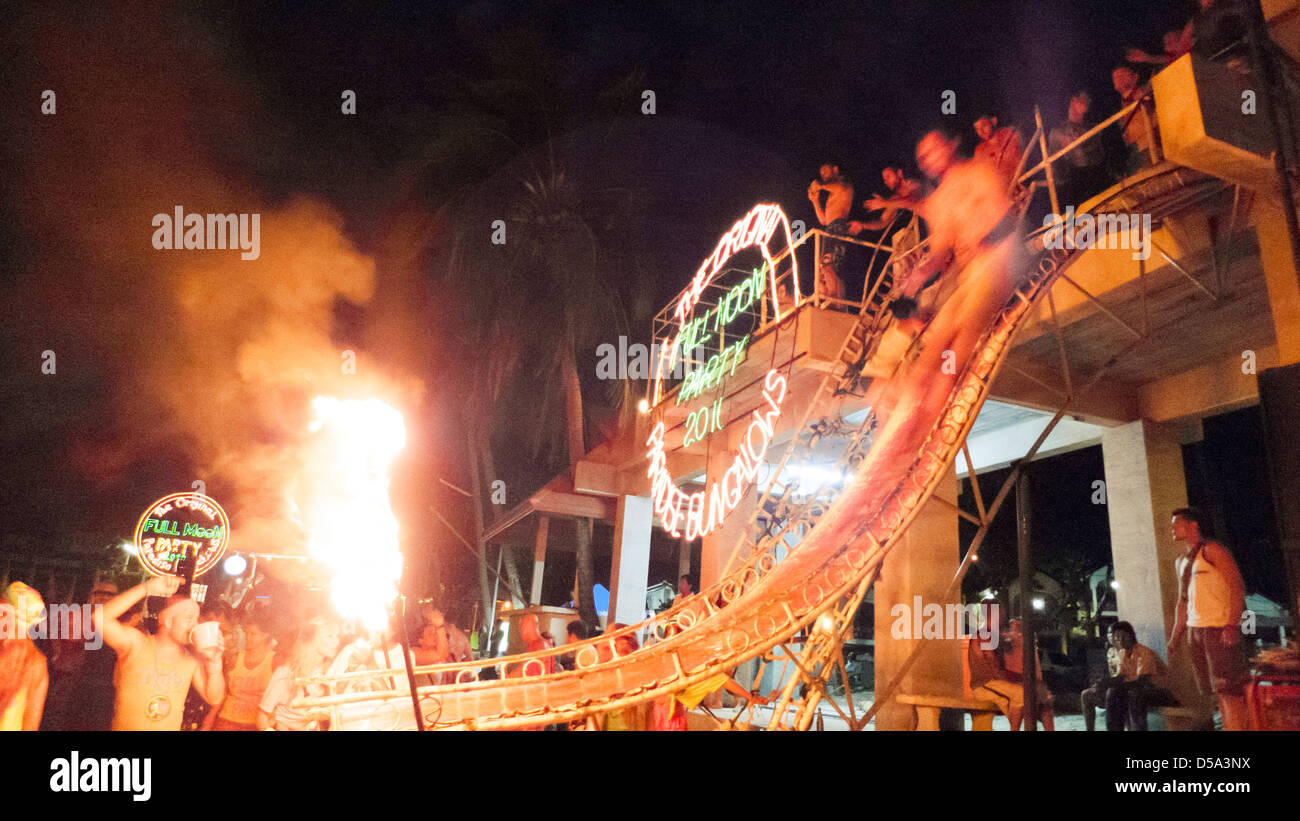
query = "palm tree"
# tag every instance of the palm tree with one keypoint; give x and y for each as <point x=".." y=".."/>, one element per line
<point x="529" y="307"/>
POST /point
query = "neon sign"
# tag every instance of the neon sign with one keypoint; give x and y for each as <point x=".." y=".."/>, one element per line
<point x="754" y="230"/>
<point x="702" y="511"/>
<point x="699" y="513"/>
<point x="179" y="524"/>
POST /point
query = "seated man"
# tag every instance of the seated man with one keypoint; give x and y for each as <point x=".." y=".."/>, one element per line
<point x="1095" y="696"/>
<point x="992" y="679"/>
<point x="1137" y="686"/>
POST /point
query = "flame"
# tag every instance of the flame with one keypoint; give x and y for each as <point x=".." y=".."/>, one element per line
<point x="350" y="523"/>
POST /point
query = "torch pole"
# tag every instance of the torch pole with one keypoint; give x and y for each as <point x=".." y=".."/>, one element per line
<point x="410" y="674"/>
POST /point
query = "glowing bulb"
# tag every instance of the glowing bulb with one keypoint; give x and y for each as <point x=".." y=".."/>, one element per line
<point x="643" y="405"/>
<point x="1039" y="604"/>
<point x="130" y="548"/>
<point x="1114" y="585"/>
<point x="235" y="565"/>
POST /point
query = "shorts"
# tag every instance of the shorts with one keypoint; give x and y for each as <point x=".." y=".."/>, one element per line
<point x="1219" y="669"/>
<point x="833" y="252"/>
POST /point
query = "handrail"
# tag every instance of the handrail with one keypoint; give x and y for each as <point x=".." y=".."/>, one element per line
<point x="1085" y="136"/>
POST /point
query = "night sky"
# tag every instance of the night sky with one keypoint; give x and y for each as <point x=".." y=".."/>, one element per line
<point x="750" y="99"/>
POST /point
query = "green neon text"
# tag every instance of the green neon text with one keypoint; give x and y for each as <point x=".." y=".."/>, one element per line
<point x="701" y="329"/>
<point x="701" y="379"/>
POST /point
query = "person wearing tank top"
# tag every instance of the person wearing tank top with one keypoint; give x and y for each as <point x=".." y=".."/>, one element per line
<point x="154" y="673"/>
<point x="248" y="677"/>
<point x="1211" y="598"/>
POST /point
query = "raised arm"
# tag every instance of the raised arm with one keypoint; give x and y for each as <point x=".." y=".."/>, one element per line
<point x="1137" y="55"/>
<point x="121" y="637"/>
<point x="814" y="196"/>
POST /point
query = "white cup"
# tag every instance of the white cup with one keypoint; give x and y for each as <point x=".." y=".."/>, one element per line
<point x="205" y="635"/>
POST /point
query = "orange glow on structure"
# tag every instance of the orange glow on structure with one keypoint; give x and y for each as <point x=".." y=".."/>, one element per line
<point x="349" y="519"/>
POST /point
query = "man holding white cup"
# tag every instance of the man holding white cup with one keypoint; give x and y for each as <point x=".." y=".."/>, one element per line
<point x="154" y="673"/>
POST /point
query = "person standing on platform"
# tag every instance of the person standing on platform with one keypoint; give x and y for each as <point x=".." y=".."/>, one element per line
<point x="834" y="217"/>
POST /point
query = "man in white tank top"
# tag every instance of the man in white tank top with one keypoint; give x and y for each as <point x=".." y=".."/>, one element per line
<point x="1211" y="597"/>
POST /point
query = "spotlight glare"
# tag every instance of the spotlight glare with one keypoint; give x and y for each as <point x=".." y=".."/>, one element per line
<point x="235" y="565"/>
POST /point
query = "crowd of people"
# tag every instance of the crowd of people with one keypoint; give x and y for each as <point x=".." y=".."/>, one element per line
<point x="1216" y="32"/>
<point x="215" y="668"/>
<point x="188" y="666"/>
<point x="198" y="667"/>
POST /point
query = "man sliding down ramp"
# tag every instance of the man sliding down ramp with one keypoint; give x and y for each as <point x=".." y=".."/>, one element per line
<point x="966" y="278"/>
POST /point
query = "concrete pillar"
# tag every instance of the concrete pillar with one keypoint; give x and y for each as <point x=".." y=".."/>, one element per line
<point x="539" y="559"/>
<point x="1280" y="276"/>
<point x="1144" y="485"/>
<point x="631" y="562"/>
<point x="922" y="564"/>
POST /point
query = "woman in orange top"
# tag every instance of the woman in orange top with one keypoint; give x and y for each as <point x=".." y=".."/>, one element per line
<point x="247" y="678"/>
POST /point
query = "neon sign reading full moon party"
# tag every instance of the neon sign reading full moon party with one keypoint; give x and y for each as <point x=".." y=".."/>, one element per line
<point x="179" y="524"/>
<point x="699" y="513"/>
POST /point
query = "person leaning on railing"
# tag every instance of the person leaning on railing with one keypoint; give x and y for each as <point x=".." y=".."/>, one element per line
<point x="1140" y="131"/>
<point x="1081" y="173"/>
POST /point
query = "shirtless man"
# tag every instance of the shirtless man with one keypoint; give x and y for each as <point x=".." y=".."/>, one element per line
<point x="834" y="216"/>
<point x="1211" y="598"/>
<point x="905" y="195"/>
<point x="970" y="263"/>
<point x="154" y="673"/>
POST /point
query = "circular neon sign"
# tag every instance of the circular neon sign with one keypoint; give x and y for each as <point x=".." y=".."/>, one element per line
<point x="697" y="323"/>
<point x="181" y="524"/>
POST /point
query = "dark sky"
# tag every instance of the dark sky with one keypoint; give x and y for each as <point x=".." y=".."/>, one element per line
<point x="750" y="98"/>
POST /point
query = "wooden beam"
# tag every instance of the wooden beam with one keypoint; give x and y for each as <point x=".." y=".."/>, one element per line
<point x="559" y="503"/>
<point x="1107" y="403"/>
<point x="1212" y="388"/>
